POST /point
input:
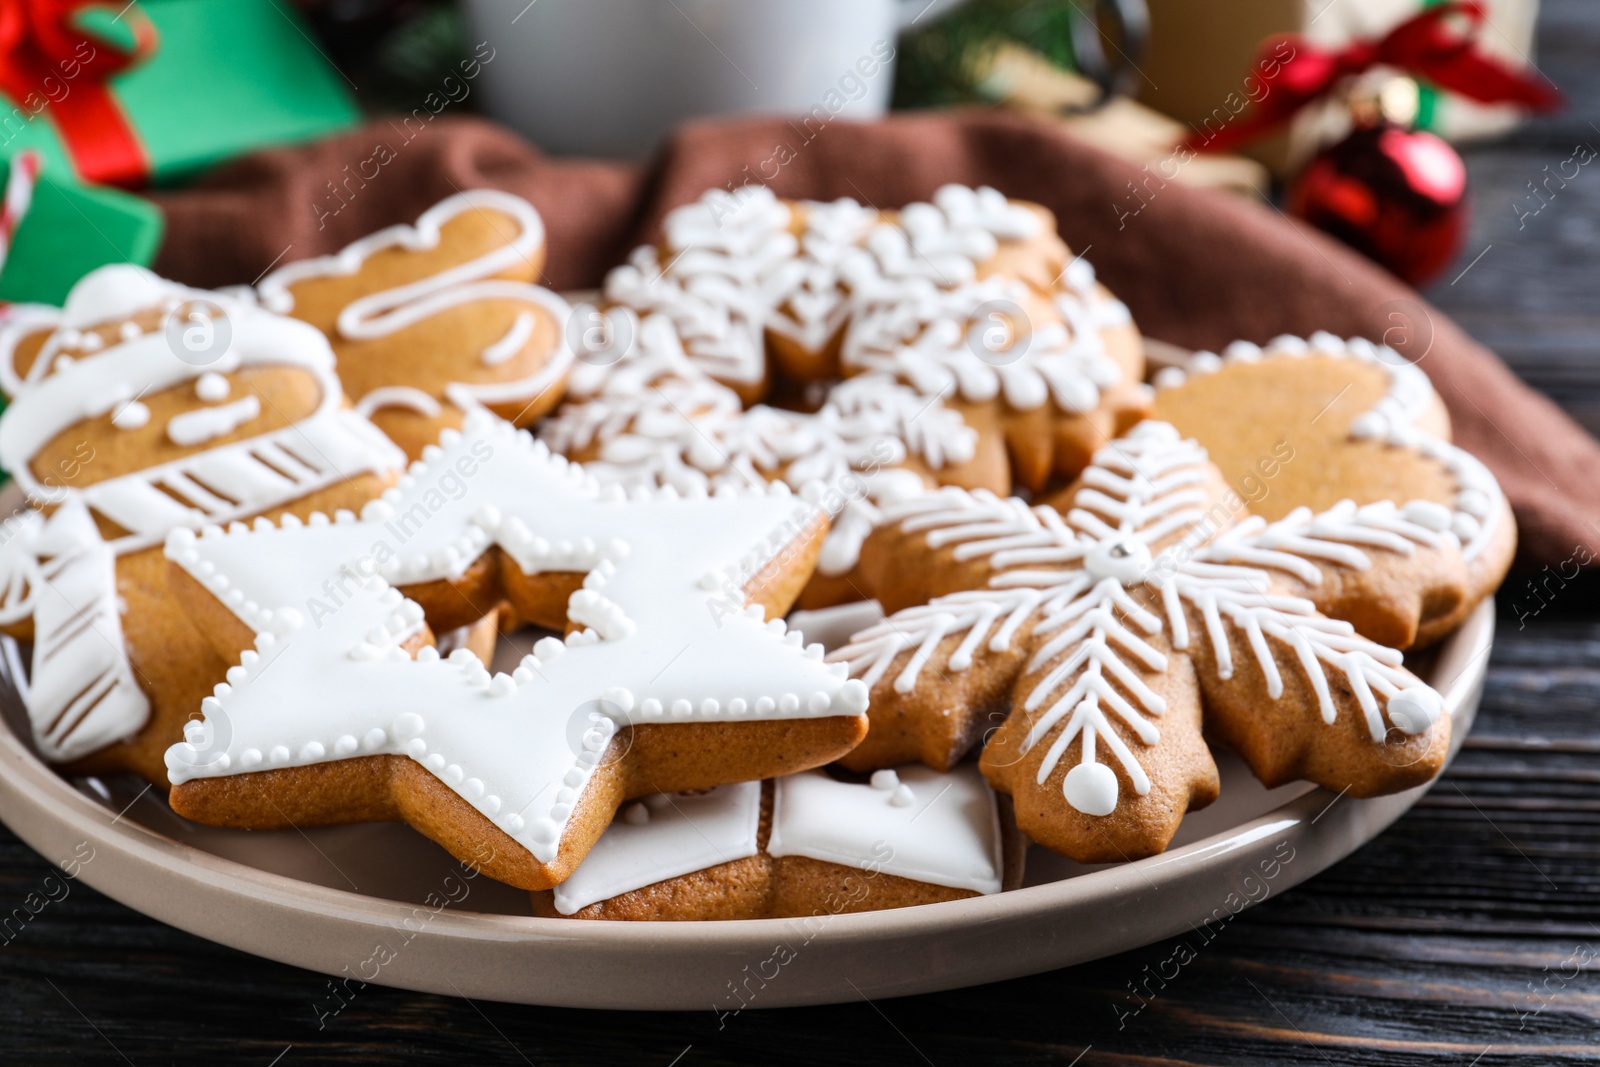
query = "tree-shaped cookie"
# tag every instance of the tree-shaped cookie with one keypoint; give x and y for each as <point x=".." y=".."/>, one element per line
<point x="1097" y="634"/>
<point x="341" y="710"/>
<point x="140" y="407"/>
<point x="433" y="320"/>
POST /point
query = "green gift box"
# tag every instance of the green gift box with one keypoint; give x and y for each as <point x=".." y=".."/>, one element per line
<point x="68" y="231"/>
<point x="158" y="90"/>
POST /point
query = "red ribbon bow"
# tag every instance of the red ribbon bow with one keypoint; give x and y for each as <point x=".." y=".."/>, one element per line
<point x="49" y="65"/>
<point x="1425" y="45"/>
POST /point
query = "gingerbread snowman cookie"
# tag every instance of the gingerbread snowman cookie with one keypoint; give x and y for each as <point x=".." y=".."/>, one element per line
<point x="140" y="407"/>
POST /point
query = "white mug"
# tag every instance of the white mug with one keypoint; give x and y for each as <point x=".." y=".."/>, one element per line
<point x="611" y="77"/>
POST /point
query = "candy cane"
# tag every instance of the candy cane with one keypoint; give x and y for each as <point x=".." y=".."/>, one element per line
<point x="25" y="168"/>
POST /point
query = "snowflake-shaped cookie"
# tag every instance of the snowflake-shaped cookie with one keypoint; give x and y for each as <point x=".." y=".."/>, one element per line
<point x="971" y="299"/>
<point x="1105" y="628"/>
<point x="654" y="418"/>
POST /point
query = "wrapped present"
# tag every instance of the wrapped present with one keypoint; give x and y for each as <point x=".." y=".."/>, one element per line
<point x="155" y="91"/>
<point x="1204" y="65"/>
<point x="56" y="231"/>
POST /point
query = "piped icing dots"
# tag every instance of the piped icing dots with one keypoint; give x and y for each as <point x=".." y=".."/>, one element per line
<point x="212" y="387"/>
<point x="132" y="415"/>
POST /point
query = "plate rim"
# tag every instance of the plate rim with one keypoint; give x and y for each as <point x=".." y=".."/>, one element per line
<point x="192" y="889"/>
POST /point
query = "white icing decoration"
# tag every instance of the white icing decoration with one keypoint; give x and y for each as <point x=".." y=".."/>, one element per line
<point x="256" y="474"/>
<point x="513" y="342"/>
<point x="1299" y="541"/>
<point x="398" y="396"/>
<point x="943" y="829"/>
<point x="81" y="695"/>
<point x="733" y="270"/>
<point x="929" y="343"/>
<point x="1415" y="709"/>
<point x="19" y="564"/>
<point x="212" y="387"/>
<point x="1393" y="420"/>
<point x="1091" y="787"/>
<point x="653" y="640"/>
<point x="380" y="314"/>
<point x="903" y="293"/>
<point x="945" y="832"/>
<point x="831" y="627"/>
<point x="853" y="443"/>
<point x="131" y="416"/>
<point x="681" y="835"/>
<point x="1064" y="582"/>
<point x="207" y="424"/>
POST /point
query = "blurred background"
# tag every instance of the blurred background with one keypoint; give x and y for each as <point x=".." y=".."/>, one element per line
<point x="1349" y="114"/>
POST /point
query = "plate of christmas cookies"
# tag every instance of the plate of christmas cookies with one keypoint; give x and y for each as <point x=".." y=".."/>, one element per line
<point x="832" y="605"/>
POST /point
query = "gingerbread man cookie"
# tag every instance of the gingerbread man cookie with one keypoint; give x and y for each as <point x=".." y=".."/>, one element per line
<point x="140" y="407"/>
<point x="433" y="320"/>
<point x="805" y="845"/>
<point x="669" y="677"/>
<point x="1095" y="635"/>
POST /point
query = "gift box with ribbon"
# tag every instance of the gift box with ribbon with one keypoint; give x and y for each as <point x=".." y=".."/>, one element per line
<point x="1204" y="65"/>
<point x="158" y="90"/>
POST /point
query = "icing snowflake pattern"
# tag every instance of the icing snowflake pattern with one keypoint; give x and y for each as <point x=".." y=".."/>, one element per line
<point x="1138" y="555"/>
<point x="653" y="418"/>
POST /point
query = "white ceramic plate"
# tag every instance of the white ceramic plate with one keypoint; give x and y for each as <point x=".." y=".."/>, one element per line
<point x="362" y="900"/>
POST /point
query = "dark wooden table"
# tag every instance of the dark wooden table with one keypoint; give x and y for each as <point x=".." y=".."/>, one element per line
<point x="1467" y="934"/>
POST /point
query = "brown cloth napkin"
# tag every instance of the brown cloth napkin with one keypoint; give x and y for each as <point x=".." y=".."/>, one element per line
<point x="1197" y="268"/>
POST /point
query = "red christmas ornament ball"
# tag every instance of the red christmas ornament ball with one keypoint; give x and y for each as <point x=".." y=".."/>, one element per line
<point x="1398" y="196"/>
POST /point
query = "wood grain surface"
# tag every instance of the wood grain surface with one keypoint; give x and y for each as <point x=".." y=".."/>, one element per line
<point x="1467" y="934"/>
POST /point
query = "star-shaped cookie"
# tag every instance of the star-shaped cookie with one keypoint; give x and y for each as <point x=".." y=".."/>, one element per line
<point x="344" y="711"/>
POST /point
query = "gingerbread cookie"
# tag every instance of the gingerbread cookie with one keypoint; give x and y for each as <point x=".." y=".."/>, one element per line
<point x="139" y="407"/>
<point x="971" y="298"/>
<point x="433" y="320"/>
<point x="805" y="845"/>
<point x="1373" y="429"/>
<point x="923" y="310"/>
<point x="1092" y="637"/>
<point x="654" y="419"/>
<point x="669" y="678"/>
